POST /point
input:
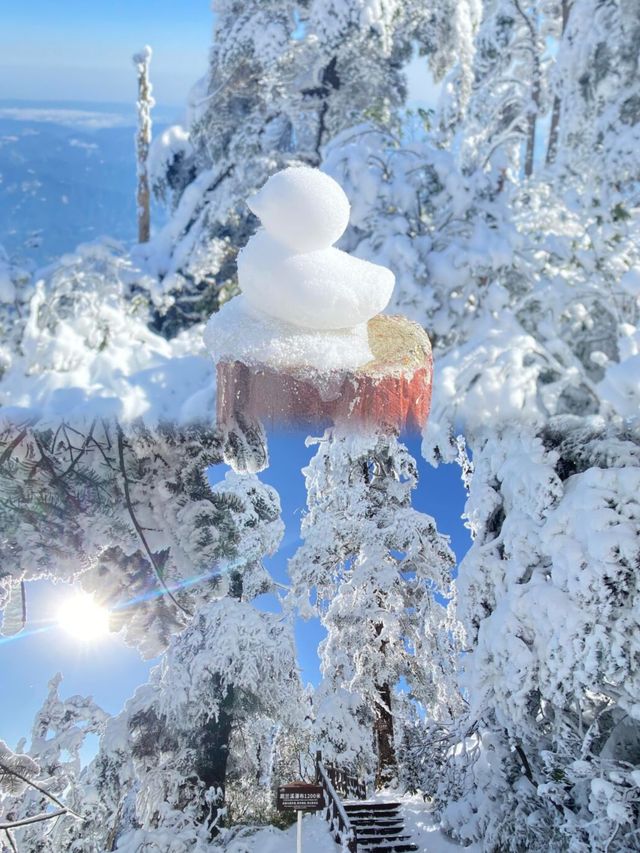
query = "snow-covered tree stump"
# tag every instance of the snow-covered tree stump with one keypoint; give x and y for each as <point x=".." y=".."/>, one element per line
<point x="391" y="392"/>
<point x="305" y="343"/>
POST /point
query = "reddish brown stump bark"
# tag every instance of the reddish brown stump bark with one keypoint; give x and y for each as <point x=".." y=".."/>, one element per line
<point x="392" y="392"/>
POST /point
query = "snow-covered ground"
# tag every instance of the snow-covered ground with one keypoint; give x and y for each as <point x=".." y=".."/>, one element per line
<point x="424" y="830"/>
<point x="268" y="839"/>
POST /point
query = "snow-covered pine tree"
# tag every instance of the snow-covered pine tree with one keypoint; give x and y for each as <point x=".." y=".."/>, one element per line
<point x="167" y="763"/>
<point x="508" y="90"/>
<point x="555" y="335"/>
<point x="558" y="338"/>
<point x="549" y="600"/>
<point x="372" y="567"/>
<point x="447" y="38"/>
<point x="598" y="88"/>
<point x="240" y="130"/>
<point x="47" y="805"/>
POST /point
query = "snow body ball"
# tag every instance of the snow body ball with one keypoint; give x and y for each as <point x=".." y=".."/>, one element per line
<point x="325" y="289"/>
<point x="302" y="208"/>
<point x="290" y="271"/>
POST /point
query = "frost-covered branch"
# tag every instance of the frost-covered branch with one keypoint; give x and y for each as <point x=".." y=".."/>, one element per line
<point x="35" y="819"/>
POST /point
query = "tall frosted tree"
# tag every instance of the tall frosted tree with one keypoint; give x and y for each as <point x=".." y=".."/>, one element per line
<point x="372" y="567"/>
<point x="597" y="85"/>
<point x="188" y="730"/>
<point x="239" y="131"/>
<point x="508" y="89"/>
<point x="548" y="598"/>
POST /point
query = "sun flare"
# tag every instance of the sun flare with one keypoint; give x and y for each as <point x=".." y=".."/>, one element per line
<point x="82" y="618"/>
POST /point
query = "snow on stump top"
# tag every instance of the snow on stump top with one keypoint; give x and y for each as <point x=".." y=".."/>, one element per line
<point x="305" y="343"/>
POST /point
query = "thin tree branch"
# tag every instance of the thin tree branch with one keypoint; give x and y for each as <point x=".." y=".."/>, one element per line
<point x="11" y="447"/>
<point x="38" y="818"/>
<point x="81" y="451"/>
<point x="42" y="790"/>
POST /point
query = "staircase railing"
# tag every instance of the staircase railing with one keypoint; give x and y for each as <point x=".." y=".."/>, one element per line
<point x="345" y="784"/>
<point x="341" y="829"/>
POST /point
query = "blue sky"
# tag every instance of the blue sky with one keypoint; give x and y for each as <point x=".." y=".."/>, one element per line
<point x="81" y="51"/>
<point x="110" y="671"/>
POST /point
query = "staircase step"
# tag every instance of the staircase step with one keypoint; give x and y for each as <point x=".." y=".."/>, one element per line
<point x="370" y="804"/>
<point x="376" y="817"/>
<point x="381" y="819"/>
<point x="376" y="829"/>
<point x="373" y="810"/>
<point x="368" y="817"/>
<point x="387" y="848"/>
<point x="372" y="838"/>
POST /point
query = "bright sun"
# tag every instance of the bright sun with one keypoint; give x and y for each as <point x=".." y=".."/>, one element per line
<point x="81" y="617"/>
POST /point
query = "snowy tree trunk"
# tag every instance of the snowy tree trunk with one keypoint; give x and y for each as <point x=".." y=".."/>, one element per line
<point x="383" y="722"/>
<point x="552" y="145"/>
<point x="384" y="739"/>
<point x="213" y="752"/>
<point x="534" y="107"/>
<point x="145" y="104"/>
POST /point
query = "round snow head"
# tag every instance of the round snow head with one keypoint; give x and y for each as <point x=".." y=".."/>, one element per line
<point x="302" y="208"/>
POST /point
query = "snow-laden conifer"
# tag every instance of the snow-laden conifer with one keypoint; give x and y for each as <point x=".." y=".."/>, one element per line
<point x="373" y="567"/>
<point x="549" y="601"/>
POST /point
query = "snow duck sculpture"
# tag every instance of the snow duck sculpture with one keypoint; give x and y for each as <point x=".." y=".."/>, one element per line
<point x="305" y="342"/>
<point x="290" y="270"/>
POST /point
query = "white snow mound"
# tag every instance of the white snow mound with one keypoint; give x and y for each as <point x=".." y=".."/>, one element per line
<point x="302" y="208"/>
<point x="238" y="333"/>
<point x="325" y="289"/>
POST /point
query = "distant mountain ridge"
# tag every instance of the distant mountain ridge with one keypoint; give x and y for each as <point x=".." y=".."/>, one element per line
<point x="67" y="174"/>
